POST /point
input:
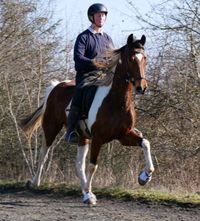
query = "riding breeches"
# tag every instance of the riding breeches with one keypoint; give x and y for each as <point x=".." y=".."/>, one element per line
<point x="84" y="96"/>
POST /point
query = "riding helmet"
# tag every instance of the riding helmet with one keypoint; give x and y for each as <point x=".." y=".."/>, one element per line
<point x="95" y="8"/>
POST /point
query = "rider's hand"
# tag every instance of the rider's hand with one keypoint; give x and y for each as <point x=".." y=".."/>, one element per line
<point x="100" y="62"/>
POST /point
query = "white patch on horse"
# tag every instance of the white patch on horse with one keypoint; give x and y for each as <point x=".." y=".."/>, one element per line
<point x="146" y="149"/>
<point x="54" y="83"/>
<point x="101" y="93"/>
<point x="139" y="56"/>
<point x="67" y="81"/>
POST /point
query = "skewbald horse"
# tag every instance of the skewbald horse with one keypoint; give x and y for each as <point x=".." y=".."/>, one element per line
<point x="111" y="116"/>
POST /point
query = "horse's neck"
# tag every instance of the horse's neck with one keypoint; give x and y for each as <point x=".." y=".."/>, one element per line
<point x="122" y="90"/>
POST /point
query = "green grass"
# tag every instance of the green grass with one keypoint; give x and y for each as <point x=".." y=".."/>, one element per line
<point x="151" y="195"/>
<point x="118" y="193"/>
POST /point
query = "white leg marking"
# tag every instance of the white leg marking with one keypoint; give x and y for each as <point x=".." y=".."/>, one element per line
<point x="44" y="152"/>
<point x="147" y="154"/>
<point x="139" y="132"/>
<point x="80" y="164"/>
<point x="101" y="93"/>
<point x="92" y="170"/>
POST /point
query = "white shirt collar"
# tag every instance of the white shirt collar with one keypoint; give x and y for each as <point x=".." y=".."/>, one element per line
<point x="94" y="32"/>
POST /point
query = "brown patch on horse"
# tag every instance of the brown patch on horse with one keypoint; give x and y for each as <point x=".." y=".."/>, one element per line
<point x="83" y="141"/>
<point x="53" y="117"/>
<point x="116" y="116"/>
<point x="55" y="113"/>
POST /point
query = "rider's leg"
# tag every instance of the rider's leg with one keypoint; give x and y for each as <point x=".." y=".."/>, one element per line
<point x="73" y="117"/>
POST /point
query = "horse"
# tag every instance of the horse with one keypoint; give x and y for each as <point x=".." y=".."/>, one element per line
<point x="111" y="116"/>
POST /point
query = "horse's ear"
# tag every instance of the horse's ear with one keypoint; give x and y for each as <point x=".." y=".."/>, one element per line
<point x="130" y="39"/>
<point x="143" y="39"/>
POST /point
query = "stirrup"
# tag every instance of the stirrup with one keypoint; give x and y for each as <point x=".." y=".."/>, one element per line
<point x="72" y="138"/>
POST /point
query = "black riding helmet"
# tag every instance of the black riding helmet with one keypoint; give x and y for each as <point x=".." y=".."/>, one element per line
<point x="95" y="8"/>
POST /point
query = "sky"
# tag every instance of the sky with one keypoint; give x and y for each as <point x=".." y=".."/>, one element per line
<point x="121" y="20"/>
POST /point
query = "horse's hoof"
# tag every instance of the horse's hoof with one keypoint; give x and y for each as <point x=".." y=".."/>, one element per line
<point x="90" y="202"/>
<point x="144" y="178"/>
<point x="89" y="199"/>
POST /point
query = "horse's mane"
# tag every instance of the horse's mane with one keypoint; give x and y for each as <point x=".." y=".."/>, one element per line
<point x="106" y="64"/>
<point x="109" y="59"/>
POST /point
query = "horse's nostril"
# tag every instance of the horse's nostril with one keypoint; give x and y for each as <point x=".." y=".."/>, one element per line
<point x="144" y="90"/>
<point x="139" y="90"/>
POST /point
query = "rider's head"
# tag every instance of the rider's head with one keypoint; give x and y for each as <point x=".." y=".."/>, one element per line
<point x="97" y="14"/>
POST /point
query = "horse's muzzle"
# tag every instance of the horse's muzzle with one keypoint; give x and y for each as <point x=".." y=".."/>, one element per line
<point x="140" y="90"/>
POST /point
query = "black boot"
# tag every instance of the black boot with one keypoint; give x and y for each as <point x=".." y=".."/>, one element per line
<point x="72" y="136"/>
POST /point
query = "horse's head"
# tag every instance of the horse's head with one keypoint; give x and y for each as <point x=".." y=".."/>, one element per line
<point x="136" y="61"/>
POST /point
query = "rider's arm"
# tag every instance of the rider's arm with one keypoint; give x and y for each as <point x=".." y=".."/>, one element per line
<point x="79" y="52"/>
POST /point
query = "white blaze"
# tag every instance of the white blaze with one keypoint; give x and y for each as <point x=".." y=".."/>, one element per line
<point x="139" y="56"/>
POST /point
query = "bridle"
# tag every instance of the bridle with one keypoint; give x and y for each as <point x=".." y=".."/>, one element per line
<point x="128" y="77"/>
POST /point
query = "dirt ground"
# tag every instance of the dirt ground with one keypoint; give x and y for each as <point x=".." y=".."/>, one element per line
<point x="26" y="206"/>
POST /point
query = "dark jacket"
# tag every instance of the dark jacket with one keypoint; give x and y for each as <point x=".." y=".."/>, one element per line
<point x="87" y="46"/>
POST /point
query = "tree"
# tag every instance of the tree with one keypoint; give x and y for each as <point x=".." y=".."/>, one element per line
<point x="171" y="110"/>
<point x="31" y="52"/>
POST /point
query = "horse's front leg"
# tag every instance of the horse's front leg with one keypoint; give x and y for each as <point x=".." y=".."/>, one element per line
<point x="89" y="197"/>
<point x="146" y="174"/>
<point x="135" y="138"/>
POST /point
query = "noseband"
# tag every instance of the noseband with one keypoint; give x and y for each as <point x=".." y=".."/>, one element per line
<point x="130" y="79"/>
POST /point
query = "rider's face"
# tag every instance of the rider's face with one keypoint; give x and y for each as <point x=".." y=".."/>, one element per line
<point x="99" y="19"/>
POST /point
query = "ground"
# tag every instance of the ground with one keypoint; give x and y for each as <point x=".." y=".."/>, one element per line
<point x="27" y="206"/>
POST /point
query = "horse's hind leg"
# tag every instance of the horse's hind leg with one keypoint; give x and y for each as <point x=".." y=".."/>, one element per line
<point x="44" y="152"/>
<point x="50" y="132"/>
<point x="82" y="150"/>
<point x="134" y="138"/>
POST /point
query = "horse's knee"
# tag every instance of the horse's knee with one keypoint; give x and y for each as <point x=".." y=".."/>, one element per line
<point x="145" y="144"/>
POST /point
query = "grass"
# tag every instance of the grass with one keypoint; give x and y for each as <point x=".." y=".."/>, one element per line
<point x="152" y="196"/>
<point x="118" y="193"/>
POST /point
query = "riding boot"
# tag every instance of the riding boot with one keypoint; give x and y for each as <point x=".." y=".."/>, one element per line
<point x="72" y="136"/>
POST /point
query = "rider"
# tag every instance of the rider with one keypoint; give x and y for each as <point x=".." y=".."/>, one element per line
<point x="89" y="44"/>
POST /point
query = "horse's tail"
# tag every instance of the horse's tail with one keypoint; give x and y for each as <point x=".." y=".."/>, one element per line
<point x="34" y="120"/>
